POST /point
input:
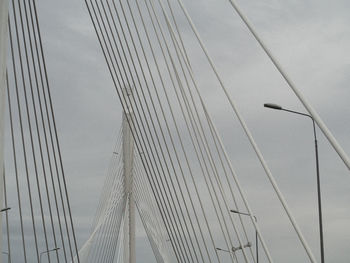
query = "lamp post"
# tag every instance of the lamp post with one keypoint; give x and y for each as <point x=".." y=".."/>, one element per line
<point x="278" y="107"/>
<point x="256" y="233"/>
<point x="234" y="249"/>
<point x="47" y="251"/>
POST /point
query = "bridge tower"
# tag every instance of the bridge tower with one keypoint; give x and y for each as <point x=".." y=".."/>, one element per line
<point x="128" y="160"/>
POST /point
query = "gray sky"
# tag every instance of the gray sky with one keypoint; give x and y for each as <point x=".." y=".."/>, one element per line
<point x="310" y="38"/>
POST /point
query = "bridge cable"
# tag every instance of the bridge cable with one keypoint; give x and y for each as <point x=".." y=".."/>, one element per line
<point x="22" y="129"/>
<point x="142" y="196"/>
<point x="216" y="137"/>
<point x="143" y="74"/>
<point x="106" y="57"/>
<point x="35" y="117"/>
<point x="211" y="161"/>
<point x="337" y="147"/>
<point x="29" y="66"/>
<point x="181" y="106"/>
<point x="252" y="141"/>
<point x="101" y="232"/>
<point x="56" y="136"/>
<point x="176" y="128"/>
<point x="14" y="145"/>
<point x="194" y="128"/>
<point x="110" y="68"/>
<point x="134" y="84"/>
<point x="209" y="120"/>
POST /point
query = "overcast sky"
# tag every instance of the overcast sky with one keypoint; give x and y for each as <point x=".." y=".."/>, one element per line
<point x="310" y="38"/>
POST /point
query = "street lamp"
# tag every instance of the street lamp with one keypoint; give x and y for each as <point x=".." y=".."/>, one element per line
<point x="48" y="251"/>
<point x="256" y="232"/>
<point x="5" y="209"/>
<point x="234" y="249"/>
<point x="277" y="107"/>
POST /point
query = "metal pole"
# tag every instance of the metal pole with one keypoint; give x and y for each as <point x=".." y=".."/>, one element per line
<point x="256" y="246"/>
<point x="277" y="107"/>
<point x="128" y="159"/>
<point x="256" y="232"/>
<point x="318" y="181"/>
<point x="319" y="195"/>
<point x="7" y="220"/>
<point x="3" y="51"/>
<point x="234" y="249"/>
<point x="6" y="209"/>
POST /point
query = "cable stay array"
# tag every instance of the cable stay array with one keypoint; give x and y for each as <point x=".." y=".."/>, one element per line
<point x="109" y="240"/>
<point x="172" y="130"/>
<point x="169" y="163"/>
<point x="39" y="224"/>
<point x="145" y="52"/>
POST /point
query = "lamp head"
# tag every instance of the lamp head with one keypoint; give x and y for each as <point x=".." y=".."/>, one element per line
<point x="273" y="106"/>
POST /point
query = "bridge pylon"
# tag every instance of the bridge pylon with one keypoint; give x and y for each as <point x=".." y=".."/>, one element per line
<point x="128" y="160"/>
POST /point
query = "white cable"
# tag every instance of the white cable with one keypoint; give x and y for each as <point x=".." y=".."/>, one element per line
<point x="86" y="248"/>
<point x="216" y="135"/>
<point x="111" y="198"/>
<point x="252" y="141"/>
<point x="188" y="128"/>
<point x="208" y="151"/>
<point x="151" y="227"/>
<point x="151" y="238"/>
<point x="206" y="144"/>
<point x="152" y="204"/>
<point x="121" y="233"/>
<point x="148" y="66"/>
<point x="291" y="84"/>
<point x="113" y="165"/>
<point x="178" y="133"/>
<point x="142" y="191"/>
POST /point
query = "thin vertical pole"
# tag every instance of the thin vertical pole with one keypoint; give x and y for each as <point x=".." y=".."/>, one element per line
<point x="7" y="222"/>
<point x="3" y="53"/>
<point x="318" y="181"/>
<point x="128" y="159"/>
<point x="256" y="243"/>
<point x="319" y="195"/>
